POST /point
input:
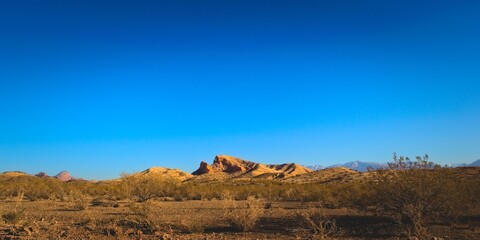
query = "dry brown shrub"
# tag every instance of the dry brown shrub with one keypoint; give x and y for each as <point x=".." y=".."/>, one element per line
<point x="144" y="187"/>
<point x="413" y="194"/>
<point x="13" y="217"/>
<point x="195" y="224"/>
<point x="16" y="215"/>
<point x="104" y="202"/>
<point x="78" y="199"/>
<point x="316" y="224"/>
<point x="244" y="215"/>
<point x="147" y="219"/>
<point x="80" y="206"/>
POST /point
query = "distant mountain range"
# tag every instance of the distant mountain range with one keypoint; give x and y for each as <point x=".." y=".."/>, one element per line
<point x="364" y="166"/>
<point x="361" y="166"/>
<point x="356" y="165"/>
<point x="475" y="163"/>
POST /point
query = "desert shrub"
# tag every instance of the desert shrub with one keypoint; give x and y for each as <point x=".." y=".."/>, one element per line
<point x="147" y="219"/>
<point x="413" y="193"/>
<point x="142" y="209"/>
<point x="316" y="224"/>
<point x="77" y="198"/>
<point x="351" y="195"/>
<point x="13" y="217"/>
<point x="270" y="190"/>
<point x="144" y="187"/>
<point x="244" y="215"/>
<point x="80" y="206"/>
<point x="16" y="215"/>
<point x="104" y="202"/>
<point x="194" y="224"/>
<point x="34" y="188"/>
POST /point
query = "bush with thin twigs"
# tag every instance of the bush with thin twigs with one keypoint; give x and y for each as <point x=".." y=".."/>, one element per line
<point x="16" y="215"/>
<point x="104" y="202"/>
<point x="413" y="193"/>
<point x="147" y="219"/>
<point x="316" y="224"/>
<point x="244" y="215"/>
<point x="194" y="224"/>
<point x="144" y="187"/>
<point x="13" y="217"/>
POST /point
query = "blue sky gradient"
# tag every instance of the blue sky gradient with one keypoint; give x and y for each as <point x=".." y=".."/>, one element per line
<point x="101" y="87"/>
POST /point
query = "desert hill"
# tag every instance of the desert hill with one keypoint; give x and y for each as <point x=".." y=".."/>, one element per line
<point x="13" y="174"/>
<point x="228" y="167"/>
<point x="168" y="173"/>
<point x="329" y="175"/>
<point x="6" y="175"/>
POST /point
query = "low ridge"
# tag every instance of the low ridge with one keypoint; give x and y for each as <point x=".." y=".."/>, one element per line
<point x="336" y="174"/>
<point x="175" y="174"/>
<point x="13" y="174"/>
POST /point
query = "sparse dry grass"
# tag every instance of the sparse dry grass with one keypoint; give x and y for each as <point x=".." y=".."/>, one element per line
<point x="387" y="204"/>
<point x="200" y="219"/>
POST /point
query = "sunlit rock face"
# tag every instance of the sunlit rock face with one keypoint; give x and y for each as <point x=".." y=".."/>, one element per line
<point x="244" y="168"/>
<point x="64" y="176"/>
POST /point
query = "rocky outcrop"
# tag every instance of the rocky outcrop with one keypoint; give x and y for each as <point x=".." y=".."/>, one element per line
<point x="227" y="164"/>
<point x="204" y="168"/>
<point x="64" y="176"/>
<point x="244" y="168"/>
<point x="41" y="174"/>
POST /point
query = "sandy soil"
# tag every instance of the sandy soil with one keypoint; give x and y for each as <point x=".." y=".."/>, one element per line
<point x="198" y="220"/>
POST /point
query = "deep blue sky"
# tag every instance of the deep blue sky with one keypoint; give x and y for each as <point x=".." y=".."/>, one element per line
<point x="101" y="87"/>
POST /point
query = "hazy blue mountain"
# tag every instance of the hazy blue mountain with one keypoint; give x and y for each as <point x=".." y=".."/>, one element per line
<point x="315" y="167"/>
<point x="472" y="164"/>
<point x="356" y="165"/>
<point x="457" y="164"/>
<point x="475" y="163"/>
<point x="361" y="166"/>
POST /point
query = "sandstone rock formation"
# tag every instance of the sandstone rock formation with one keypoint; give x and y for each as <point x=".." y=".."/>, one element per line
<point x="244" y="168"/>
